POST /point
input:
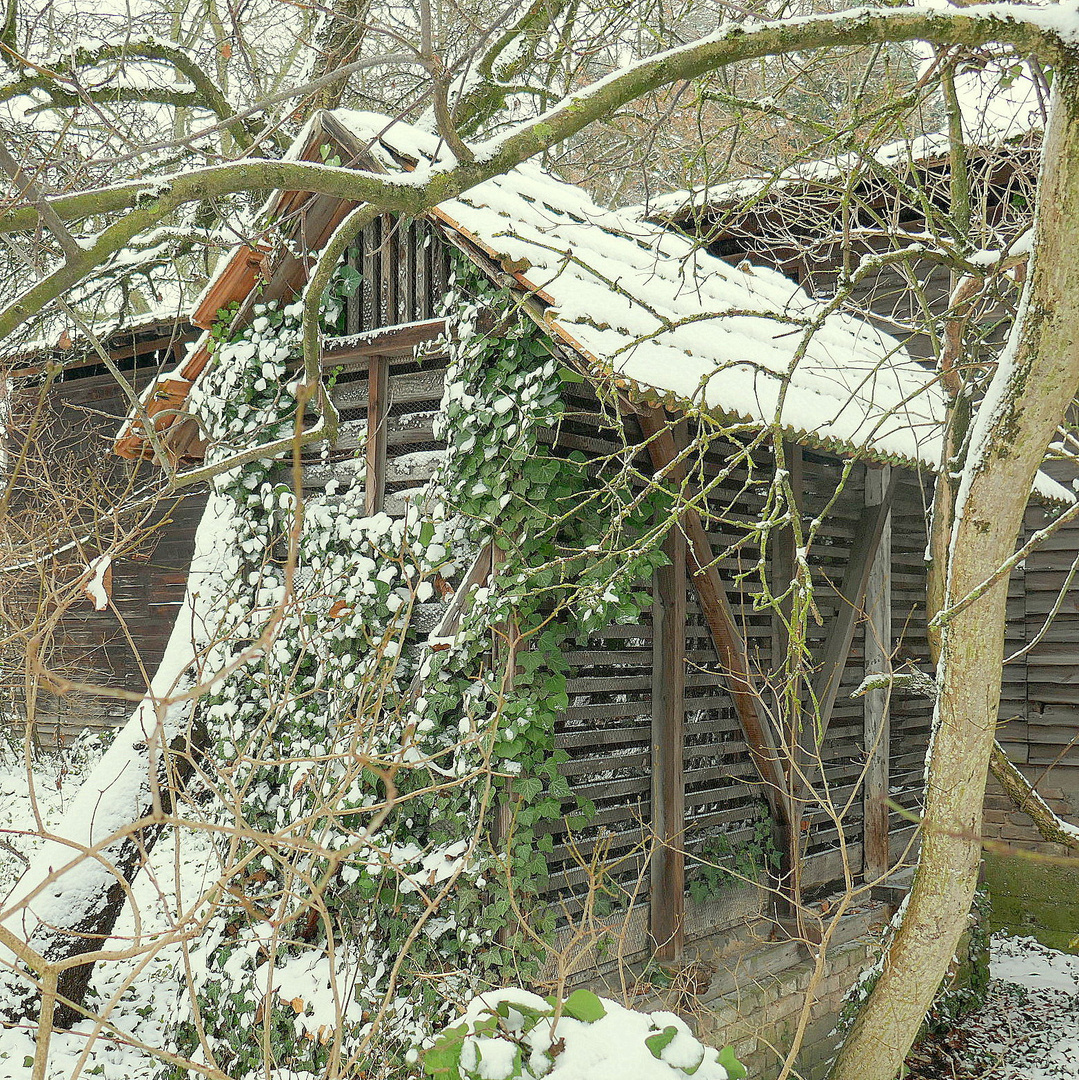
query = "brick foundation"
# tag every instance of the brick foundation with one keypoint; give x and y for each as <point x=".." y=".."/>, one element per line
<point x="750" y="992"/>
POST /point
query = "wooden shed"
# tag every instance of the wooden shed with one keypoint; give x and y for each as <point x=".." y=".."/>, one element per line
<point x="819" y="221"/>
<point x="67" y="494"/>
<point x="734" y="778"/>
<point x="675" y="725"/>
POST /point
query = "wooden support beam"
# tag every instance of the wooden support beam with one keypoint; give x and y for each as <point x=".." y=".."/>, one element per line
<point x="716" y="608"/>
<point x="878" y="658"/>
<point x="668" y="887"/>
<point x="478" y="574"/>
<point x="397" y="341"/>
<point x="378" y="392"/>
<point x="867" y="539"/>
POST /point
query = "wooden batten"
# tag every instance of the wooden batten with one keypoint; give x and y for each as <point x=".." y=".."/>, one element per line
<point x="232" y="285"/>
<point x="667" y="892"/>
<point x="377" y="411"/>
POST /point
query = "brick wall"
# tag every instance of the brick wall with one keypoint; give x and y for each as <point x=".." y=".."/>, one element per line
<point x="761" y="1016"/>
<point x="1003" y="822"/>
<point x="749" y="991"/>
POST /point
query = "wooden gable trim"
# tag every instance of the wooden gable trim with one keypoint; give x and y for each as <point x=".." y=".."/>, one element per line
<point x="235" y="282"/>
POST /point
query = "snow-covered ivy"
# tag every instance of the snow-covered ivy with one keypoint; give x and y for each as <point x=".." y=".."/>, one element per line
<point x="355" y="766"/>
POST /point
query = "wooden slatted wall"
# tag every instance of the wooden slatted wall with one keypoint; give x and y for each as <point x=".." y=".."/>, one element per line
<point x="148" y="582"/>
<point x="1042" y="709"/>
<point x="404" y="272"/>
<point x="911" y="717"/>
<point x="842" y="750"/>
<point x="607" y="729"/>
<point x="724" y="795"/>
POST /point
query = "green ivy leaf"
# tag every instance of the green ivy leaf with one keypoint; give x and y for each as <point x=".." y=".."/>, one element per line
<point x="662" y="1039"/>
<point x="583" y="1005"/>
<point x="735" y="1069"/>
<point x="444" y="1058"/>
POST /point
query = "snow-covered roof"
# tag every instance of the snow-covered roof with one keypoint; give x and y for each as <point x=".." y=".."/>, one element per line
<point x="828" y="173"/>
<point x="673" y="322"/>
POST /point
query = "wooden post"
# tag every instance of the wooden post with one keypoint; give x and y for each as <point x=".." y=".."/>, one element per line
<point x="783" y="570"/>
<point x="378" y="388"/>
<point x="878" y="648"/>
<point x="668" y="889"/>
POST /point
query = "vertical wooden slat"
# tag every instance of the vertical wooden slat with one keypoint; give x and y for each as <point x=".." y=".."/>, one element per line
<point x="782" y="561"/>
<point x="440" y="265"/>
<point x="423" y="270"/>
<point x="377" y="407"/>
<point x="878" y="648"/>
<point x="408" y="255"/>
<point x="388" y="271"/>
<point x="667" y="892"/>
<point x="354" y="303"/>
<point x="371" y="274"/>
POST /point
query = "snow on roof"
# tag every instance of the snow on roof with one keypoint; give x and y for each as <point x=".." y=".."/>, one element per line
<point x="824" y="172"/>
<point x="673" y="322"/>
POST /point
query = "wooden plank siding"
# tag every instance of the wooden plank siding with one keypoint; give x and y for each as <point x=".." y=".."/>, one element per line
<point x="814" y="233"/>
<point x="118" y="648"/>
<point x="616" y="703"/>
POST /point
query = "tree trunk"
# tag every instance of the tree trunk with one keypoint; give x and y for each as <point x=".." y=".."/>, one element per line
<point x="1037" y="376"/>
<point x="338" y="41"/>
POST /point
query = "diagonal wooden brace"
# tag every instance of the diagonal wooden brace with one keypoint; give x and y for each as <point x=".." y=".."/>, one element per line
<point x="726" y="636"/>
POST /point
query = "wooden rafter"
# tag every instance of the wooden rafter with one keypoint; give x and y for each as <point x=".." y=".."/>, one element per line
<point x="727" y="638"/>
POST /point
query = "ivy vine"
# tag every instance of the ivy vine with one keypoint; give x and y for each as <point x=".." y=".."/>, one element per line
<point x="368" y="888"/>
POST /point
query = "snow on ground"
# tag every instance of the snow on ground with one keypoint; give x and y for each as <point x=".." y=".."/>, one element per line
<point x="135" y="1014"/>
<point x="1028" y="1028"/>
